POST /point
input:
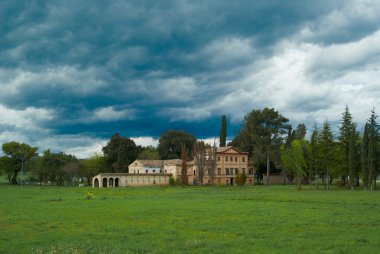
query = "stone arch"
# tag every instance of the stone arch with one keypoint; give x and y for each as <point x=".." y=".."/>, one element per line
<point x="96" y="183"/>
<point x="117" y="182"/>
<point x="110" y="182"/>
<point x="105" y="181"/>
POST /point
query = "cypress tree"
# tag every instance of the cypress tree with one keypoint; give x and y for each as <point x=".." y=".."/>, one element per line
<point x="373" y="138"/>
<point x="313" y="159"/>
<point x="347" y="140"/>
<point x="327" y="143"/>
<point x="223" y="132"/>
<point x="365" y="175"/>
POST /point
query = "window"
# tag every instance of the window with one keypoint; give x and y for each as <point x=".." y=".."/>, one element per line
<point x="136" y="164"/>
<point x="243" y="159"/>
<point x="226" y="158"/>
<point x="251" y="171"/>
<point x="219" y="181"/>
<point x="236" y="159"/>
<point x="194" y="172"/>
<point x="227" y="181"/>
<point x="231" y="158"/>
<point x="236" y="171"/>
<point x="243" y="170"/>
<point x="219" y="171"/>
<point x="218" y="158"/>
<point x="166" y="171"/>
<point x="227" y="171"/>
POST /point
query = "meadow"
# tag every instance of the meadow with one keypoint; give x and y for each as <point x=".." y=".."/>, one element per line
<point x="259" y="219"/>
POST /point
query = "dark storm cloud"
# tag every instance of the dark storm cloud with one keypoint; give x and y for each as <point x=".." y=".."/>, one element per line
<point x="142" y="67"/>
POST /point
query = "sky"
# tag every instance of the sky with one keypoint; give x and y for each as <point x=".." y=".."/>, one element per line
<point x="72" y="72"/>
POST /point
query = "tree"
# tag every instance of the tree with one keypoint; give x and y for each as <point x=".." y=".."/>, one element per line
<point x="241" y="179"/>
<point x="223" y="132"/>
<point x="266" y="129"/>
<point x="200" y="160"/>
<point x="348" y="139"/>
<point x="327" y="150"/>
<point x="300" y="132"/>
<point x="373" y="149"/>
<point x="314" y="156"/>
<point x="293" y="158"/>
<point x="53" y="165"/>
<point x="365" y="173"/>
<point x="149" y="153"/>
<point x="7" y="166"/>
<point x="211" y="162"/>
<point x="93" y="165"/>
<point x="171" y="142"/>
<point x="184" y="166"/>
<point x="120" y="152"/>
<point x="19" y="153"/>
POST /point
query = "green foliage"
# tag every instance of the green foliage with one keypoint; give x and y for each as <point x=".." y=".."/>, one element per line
<point x="223" y="132"/>
<point x="264" y="132"/>
<point x="348" y="143"/>
<point x="241" y="179"/>
<point x="294" y="160"/>
<point x="373" y="151"/>
<point x="149" y="153"/>
<point x="93" y="165"/>
<point x="55" y="167"/>
<point x="119" y="153"/>
<point x="19" y="154"/>
<point x="172" y="181"/>
<point x="170" y="144"/>
<point x="90" y="195"/>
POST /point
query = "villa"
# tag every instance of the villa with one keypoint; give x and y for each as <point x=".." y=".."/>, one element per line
<point x="229" y="163"/>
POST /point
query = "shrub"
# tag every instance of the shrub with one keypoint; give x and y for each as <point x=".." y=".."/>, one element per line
<point x="90" y="195"/>
<point x="241" y="179"/>
<point x="171" y="181"/>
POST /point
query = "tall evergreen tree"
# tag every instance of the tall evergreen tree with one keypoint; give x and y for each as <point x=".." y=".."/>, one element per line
<point x="373" y="143"/>
<point x="314" y="160"/>
<point x="327" y="150"/>
<point x="365" y="175"/>
<point x="348" y="139"/>
<point x="223" y="132"/>
<point x="300" y="132"/>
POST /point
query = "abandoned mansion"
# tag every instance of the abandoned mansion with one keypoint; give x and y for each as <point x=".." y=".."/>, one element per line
<point x="228" y="163"/>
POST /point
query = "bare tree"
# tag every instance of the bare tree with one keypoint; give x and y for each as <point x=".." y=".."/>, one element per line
<point x="200" y="160"/>
<point x="184" y="166"/>
<point x="211" y="161"/>
<point x="71" y="169"/>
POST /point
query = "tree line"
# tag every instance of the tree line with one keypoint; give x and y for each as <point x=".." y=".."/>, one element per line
<point x="274" y="146"/>
<point x="348" y="156"/>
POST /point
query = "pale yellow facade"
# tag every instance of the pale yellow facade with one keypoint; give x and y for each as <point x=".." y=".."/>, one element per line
<point x="229" y="163"/>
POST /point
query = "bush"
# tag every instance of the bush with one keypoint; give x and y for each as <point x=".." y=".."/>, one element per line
<point x="241" y="179"/>
<point x="171" y="181"/>
<point x="90" y="195"/>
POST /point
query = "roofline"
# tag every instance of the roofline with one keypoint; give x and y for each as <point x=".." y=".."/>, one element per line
<point x="131" y="174"/>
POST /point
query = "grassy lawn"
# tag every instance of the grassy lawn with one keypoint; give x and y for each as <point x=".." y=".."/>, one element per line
<point x="275" y="219"/>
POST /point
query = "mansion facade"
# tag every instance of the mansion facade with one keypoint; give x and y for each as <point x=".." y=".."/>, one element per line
<point x="228" y="163"/>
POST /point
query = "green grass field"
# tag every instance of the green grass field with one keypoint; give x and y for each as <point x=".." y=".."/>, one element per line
<point x="275" y="219"/>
